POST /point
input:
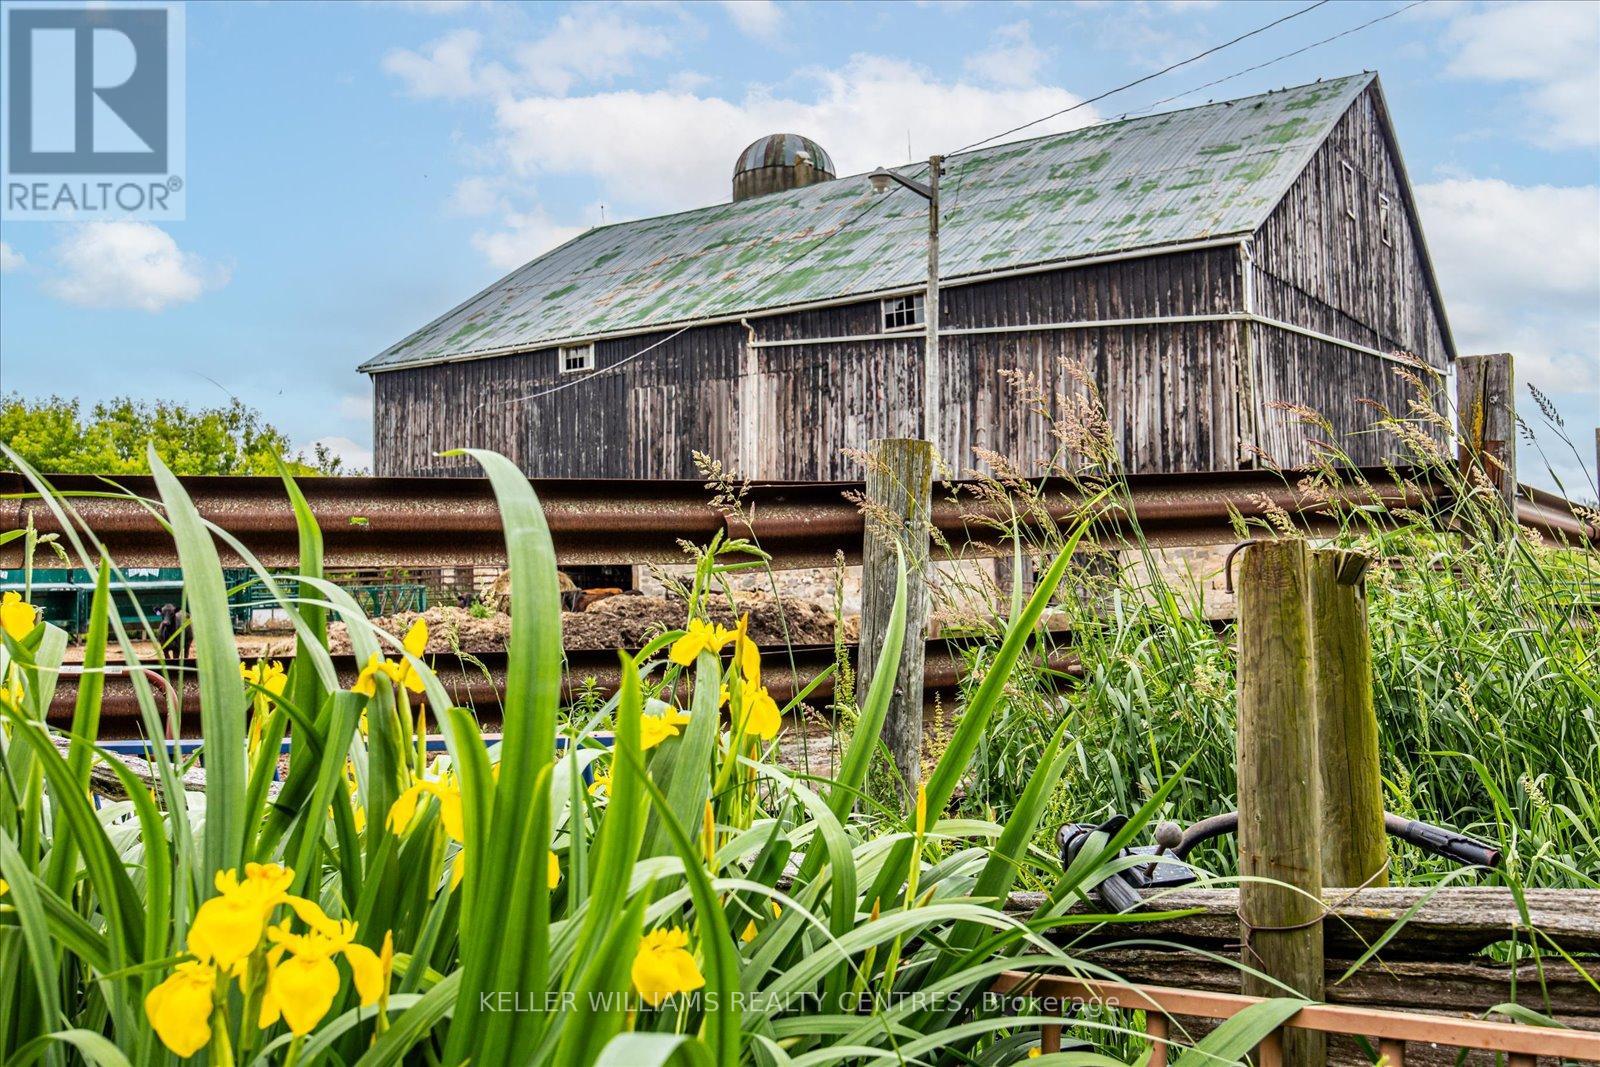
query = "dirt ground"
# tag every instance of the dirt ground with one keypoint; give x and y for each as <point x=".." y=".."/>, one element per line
<point x="626" y="621"/>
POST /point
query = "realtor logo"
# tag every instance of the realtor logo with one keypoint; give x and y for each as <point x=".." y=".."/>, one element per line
<point x="94" y="112"/>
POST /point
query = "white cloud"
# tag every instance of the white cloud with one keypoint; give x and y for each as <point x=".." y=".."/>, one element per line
<point x="525" y="234"/>
<point x="1549" y="47"/>
<point x="688" y="81"/>
<point x="448" y="70"/>
<point x="1520" y="270"/>
<point x="1011" y="58"/>
<point x="10" y="259"/>
<point x="761" y="19"/>
<point x="587" y="44"/>
<point x="356" y="456"/>
<point x="663" y="151"/>
<point x="592" y="44"/>
<point x="477" y="195"/>
<point x="356" y="407"/>
<point x="128" y="265"/>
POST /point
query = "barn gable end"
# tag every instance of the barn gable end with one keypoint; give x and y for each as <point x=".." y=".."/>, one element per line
<point x="1343" y="255"/>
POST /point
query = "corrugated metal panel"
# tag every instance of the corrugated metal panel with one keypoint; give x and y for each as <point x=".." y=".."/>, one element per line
<point x="1203" y="172"/>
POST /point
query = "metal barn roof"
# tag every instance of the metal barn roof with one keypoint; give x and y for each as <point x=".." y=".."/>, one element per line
<point x="1203" y="172"/>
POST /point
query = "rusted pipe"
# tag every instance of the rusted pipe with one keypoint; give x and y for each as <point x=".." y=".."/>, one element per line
<point x="445" y="522"/>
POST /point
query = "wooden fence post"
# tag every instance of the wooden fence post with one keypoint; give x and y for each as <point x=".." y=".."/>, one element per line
<point x="1486" y="412"/>
<point x="1279" y="816"/>
<point x="1355" y="849"/>
<point x="899" y="496"/>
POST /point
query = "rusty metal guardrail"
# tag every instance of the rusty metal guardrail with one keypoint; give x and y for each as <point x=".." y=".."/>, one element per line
<point x="442" y="522"/>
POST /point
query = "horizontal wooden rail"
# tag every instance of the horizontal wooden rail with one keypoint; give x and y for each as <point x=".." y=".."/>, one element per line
<point x="1392" y="1029"/>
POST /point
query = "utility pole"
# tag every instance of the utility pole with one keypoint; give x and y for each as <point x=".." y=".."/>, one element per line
<point x="931" y="378"/>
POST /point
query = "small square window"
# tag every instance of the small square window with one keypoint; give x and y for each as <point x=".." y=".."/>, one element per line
<point x="1348" y="174"/>
<point x="577" y="358"/>
<point x="902" y="312"/>
<point x="1385" y="222"/>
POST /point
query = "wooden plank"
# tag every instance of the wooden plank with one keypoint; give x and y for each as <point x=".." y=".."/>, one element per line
<point x="1486" y="410"/>
<point x="1279" y="845"/>
<point x="1448" y="923"/>
<point x="1355" y="849"/>
<point x="1455" y="986"/>
<point x="899" y="494"/>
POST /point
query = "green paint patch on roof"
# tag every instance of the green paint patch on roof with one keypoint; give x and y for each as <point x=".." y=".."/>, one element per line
<point x="1203" y="172"/>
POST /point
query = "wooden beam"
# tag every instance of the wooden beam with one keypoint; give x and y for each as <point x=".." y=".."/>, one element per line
<point x="1355" y="849"/>
<point x="1486" y="413"/>
<point x="1280" y="852"/>
<point x="899" y="496"/>
<point x="1455" y="922"/>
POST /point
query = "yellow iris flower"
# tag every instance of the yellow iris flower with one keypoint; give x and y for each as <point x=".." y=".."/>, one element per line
<point x="302" y="979"/>
<point x="745" y="653"/>
<point x="227" y="933"/>
<point x="180" y="1007"/>
<point x="601" y="783"/>
<point x="268" y="676"/>
<point x="700" y="637"/>
<point x="654" y="729"/>
<point x="399" y="671"/>
<point x="663" y="966"/>
<point x="762" y="717"/>
<point x="228" y="927"/>
<point x="749" y="933"/>
<point x="17" y="616"/>
<point x="448" y="794"/>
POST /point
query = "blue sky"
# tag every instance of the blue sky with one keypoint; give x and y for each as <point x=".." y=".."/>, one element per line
<point x="355" y="169"/>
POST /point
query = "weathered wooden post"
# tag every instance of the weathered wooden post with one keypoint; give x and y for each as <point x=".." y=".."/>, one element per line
<point x="1487" y="415"/>
<point x="1355" y="849"/>
<point x="1279" y="816"/>
<point x="899" y="497"/>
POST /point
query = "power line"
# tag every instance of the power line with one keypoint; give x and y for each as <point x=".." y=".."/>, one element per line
<point x="1279" y="59"/>
<point x="1140" y="81"/>
<point x="786" y="263"/>
<point x="778" y="265"/>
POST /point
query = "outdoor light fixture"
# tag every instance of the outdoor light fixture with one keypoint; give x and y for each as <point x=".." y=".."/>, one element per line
<point x="881" y="178"/>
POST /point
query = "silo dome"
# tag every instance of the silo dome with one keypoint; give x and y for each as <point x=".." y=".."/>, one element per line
<point x="777" y="162"/>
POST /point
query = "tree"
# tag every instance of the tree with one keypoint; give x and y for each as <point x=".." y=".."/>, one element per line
<point x="56" y="438"/>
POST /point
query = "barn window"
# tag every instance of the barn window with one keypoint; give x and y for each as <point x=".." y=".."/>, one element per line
<point x="902" y="312"/>
<point x="576" y="358"/>
<point x="1385" y="223"/>
<point x="1349" y="176"/>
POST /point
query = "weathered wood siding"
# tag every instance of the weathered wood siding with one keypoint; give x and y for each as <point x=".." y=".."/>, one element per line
<point x="1359" y="278"/>
<point x="642" y="420"/>
<point x="1170" y="391"/>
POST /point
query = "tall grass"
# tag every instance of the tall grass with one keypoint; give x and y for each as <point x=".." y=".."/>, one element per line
<point x="1485" y="656"/>
<point x="655" y="891"/>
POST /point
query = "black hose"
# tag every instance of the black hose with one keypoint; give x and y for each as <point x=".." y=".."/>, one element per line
<point x="1465" y="850"/>
<point x="1115" y="893"/>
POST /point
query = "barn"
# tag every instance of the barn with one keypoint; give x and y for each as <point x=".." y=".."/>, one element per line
<point x="1205" y="266"/>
